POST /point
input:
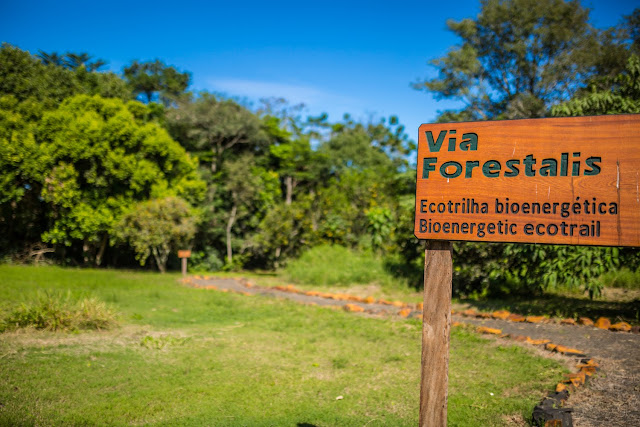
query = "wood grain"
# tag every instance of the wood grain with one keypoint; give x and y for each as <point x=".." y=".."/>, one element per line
<point x="614" y="139"/>
<point x="436" y="325"/>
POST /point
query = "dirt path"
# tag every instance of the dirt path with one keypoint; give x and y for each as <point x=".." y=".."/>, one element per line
<point x="612" y="398"/>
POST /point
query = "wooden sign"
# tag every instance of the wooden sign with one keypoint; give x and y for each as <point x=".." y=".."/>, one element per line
<point x="573" y="181"/>
<point x="184" y="254"/>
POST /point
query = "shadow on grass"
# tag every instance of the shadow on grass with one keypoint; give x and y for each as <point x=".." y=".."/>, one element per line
<point x="563" y="306"/>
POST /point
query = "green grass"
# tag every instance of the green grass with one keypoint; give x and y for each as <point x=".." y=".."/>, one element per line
<point x="195" y="357"/>
<point x="623" y="278"/>
<point x="59" y="311"/>
<point x="337" y="265"/>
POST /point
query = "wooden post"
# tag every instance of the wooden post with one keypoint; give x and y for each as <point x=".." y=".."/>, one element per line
<point x="436" y="325"/>
<point x="184" y="254"/>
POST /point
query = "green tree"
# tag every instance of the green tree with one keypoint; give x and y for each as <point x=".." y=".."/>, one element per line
<point x="215" y="128"/>
<point x="610" y="95"/>
<point x="284" y="232"/>
<point x="156" y="80"/>
<point x="87" y="162"/>
<point x="250" y="191"/>
<point x="157" y="227"/>
<point x="517" y="58"/>
<point x="24" y="77"/>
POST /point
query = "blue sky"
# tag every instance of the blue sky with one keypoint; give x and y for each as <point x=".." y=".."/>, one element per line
<point x="336" y="57"/>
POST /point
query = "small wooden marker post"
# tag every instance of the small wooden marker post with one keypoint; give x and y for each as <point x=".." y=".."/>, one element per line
<point x="184" y="254"/>
<point x="436" y="324"/>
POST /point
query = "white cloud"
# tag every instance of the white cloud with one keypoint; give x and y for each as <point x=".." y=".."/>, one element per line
<point x="312" y="97"/>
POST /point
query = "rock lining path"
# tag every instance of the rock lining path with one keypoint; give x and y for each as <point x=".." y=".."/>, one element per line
<point x="611" y="398"/>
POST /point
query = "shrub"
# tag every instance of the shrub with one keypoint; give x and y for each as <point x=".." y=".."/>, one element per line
<point x="623" y="278"/>
<point x="337" y="265"/>
<point x="59" y="312"/>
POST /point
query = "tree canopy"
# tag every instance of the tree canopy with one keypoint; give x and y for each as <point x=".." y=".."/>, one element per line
<point x="520" y="57"/>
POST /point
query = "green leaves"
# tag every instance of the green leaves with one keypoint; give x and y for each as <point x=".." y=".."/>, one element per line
<point x="157" y="227"/>
<point x="517" y="59"/>
<point x="156" y="80"/>
<point x="88" y="161"/>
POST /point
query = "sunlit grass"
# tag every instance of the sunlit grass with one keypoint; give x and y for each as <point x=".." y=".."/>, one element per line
<point x="195" y="357"/>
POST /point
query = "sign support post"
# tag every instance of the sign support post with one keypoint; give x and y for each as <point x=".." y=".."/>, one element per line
<point x="436" y="325"/>
<point x="184" y="255"/>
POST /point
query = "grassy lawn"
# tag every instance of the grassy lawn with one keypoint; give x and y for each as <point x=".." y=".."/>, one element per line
<point x="185" y="356"/>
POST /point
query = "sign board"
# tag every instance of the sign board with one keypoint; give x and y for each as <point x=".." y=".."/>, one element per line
<point x="573" y="181"/>
<point x="184" y="254"/>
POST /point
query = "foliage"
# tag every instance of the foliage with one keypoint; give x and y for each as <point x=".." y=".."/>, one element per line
<point x="215" y="128"/>
<point x="56" y="311"/>
<point x="85" y="163"/>
<point x="623" y="278"/>
<point x="206" y="260"/>
<point x="156" y="81"/>
<point x="616" y="95"/>
<point x="25" y="77"/>
<point x="517" y="58"/>
<point x="337" y="265"/>
<point x="157" y="227"/>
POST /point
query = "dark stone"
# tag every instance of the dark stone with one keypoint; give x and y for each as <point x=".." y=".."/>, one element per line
<point x="635" y="329"/>
<point x="550" y="409"/>
<point x="543" y="413"/>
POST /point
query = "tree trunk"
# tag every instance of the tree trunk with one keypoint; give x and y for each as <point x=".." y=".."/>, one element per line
<point x="161" y="258"/>
<point x="85" y="252"/>
<point x="288" y="182"/>
<point x="214" y="161"/>
<point x="103" y="246"/>
<point x="276" y="263"/>
<point x="232" y="219"/>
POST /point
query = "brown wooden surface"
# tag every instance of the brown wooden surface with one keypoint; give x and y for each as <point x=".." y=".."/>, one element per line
<point x="184" y="254"/>
<point x="615" y="138"/>
<point x="436" y="325"/>
<point x="184" y="266"/>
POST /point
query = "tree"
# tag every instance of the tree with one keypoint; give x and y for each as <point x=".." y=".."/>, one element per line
<point x="25" y="77"/>
<point x="251" y="192"/>
<point x="612" y="95"/>
<point x="157" y="227"/>
<point x="71" y="61"/>
<point x="283" y="232"/>
<point x="517" y="58"/>
<point x="215" y="128"/>
<point x="53" y="58"/>
<point x="87" y="162"/>
<point x="156" y="80"/>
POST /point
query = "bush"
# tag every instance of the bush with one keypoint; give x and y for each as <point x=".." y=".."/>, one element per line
<point x="56" y="312"/>
<point x="337" y="265"/>
<point x="207" y="260"/>
<point x="623" y="278"/>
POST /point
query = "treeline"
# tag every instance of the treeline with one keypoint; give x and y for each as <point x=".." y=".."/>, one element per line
<point x="101" y="169"/>
<point x="93" y="174"/>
